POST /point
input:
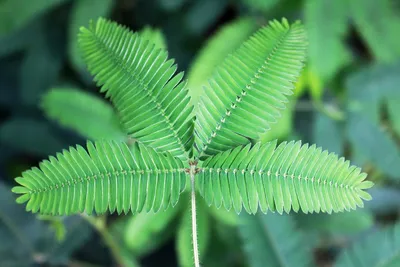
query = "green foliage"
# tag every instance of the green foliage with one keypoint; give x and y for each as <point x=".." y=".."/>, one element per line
<point x="233" y="106"/>
<point x="394" y="111"/>
<point x="165" y="120"/>
<point x="245" y="95"/>
<point x="262" y="5"/>
<point x="382" y="150"/>
<point x="326" y="31"/>
<point x="110" y="176"/>
<point x="381" y="248"/>
<point x="30" y="240"/>
<point x="11" y="21"/>
<point x="85" y="113"/>
<point x="379" y="24"/>
<point x="272" y="240"/>
<point x="215" y="51"/>
<point x="289" y="176"/>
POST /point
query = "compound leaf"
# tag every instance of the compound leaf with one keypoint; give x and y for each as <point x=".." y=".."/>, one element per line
<point x="381" y="248"/>
<point x="108" y="176"/>
<point x="272" y="240"/>
<point x="248" y="89"/>
<point x="281" y="178"/>
<point x="152" y="103"/>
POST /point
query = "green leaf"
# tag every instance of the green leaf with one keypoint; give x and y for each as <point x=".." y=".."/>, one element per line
<point x="35" y="240"/>
<point x="224" y="216"/>
<point x="272" y="240"/>
<point x="379" y="26"/>
<point x="82" y="12"/>
<point x="85" y="113"/>
<point x="184" y="245"/>
<point x="15" y="14"/>
<point x="152" y="103"/>
<point x="143" y="228"/>
<point x="284" y="177"/>
<point x="381" y="150"/>
<point x="339" y="223"/>
<point x="326" y="32"/>
<point x="246" y="93"/>
<point x="110" y="176"/>
<point x="225" y="41"/>
<point x="29" y="135"/>
<point x="381" y="248"/>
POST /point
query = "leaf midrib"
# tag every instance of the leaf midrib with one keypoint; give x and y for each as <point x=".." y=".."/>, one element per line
<point x="89" y="178"/>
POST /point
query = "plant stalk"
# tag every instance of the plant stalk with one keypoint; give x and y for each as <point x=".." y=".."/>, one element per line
<point x="194" y="221"/>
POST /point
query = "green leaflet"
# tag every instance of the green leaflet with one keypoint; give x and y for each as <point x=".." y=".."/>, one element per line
<point x="88" y="115"/>
<point x="272" y="240"/>
<point x="281" y="178"/>
<point x="215" y="51"/>
<point x="184" y="246"/>
<point x="13" y="21"/>
<point x="326" y="32"/>
<point x="247" y="91"/>
<point x="379" y="24"/>
<point x="82" y="12"/>
<point x="380" y="249"/>
<point x="152" y="103"/>
<point x="110" y="176"/>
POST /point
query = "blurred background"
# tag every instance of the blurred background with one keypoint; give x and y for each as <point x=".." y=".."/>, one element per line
<point x="347" y="101"/>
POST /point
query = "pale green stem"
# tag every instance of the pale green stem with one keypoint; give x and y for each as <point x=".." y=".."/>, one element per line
<point x="194" y="222"/>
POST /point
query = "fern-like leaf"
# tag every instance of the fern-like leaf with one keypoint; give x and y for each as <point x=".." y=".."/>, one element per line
<point x="152" y="102"/>
<point x="381" y="249"/>
<point x="289" y="176"/>
<point x="272" y="240"/>
<point x="248" y="89"/>
<point x="108" y="176"/>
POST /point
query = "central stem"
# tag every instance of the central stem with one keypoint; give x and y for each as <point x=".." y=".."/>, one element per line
<point x="192" y="173"/>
